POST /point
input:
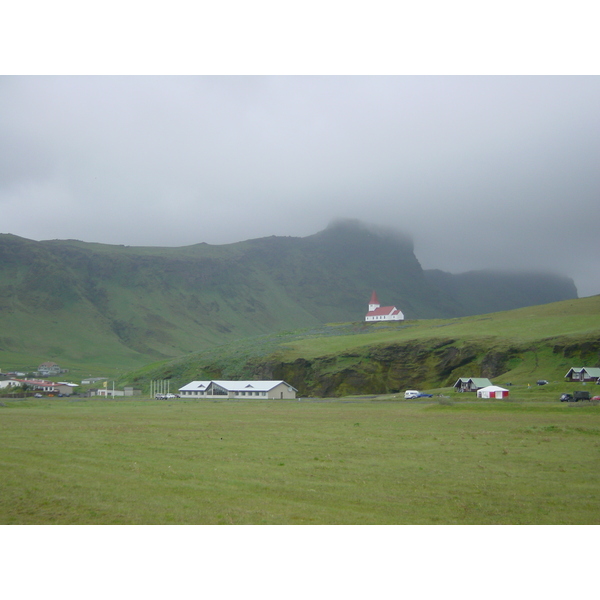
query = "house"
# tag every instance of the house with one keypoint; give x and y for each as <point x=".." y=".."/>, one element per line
<point x="583" y="374"/>
<point x="10" y="383"/>
<point x="41" y="385"/>
<point x="50" y="387"/>
<point x="382" y="313"/>
<point x="49" y="368"/>
<point x="492" y="391"/>
<point x="471" y="384"/>
<point x="273" y="390"/>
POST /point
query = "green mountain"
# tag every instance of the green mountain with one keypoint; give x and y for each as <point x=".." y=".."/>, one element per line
<point x="518" y="346"/>
<point x="480" y="292"/>
<point x="104" y="306"/>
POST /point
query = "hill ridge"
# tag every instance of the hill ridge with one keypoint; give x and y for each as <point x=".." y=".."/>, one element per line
<point x="78" y="302"/>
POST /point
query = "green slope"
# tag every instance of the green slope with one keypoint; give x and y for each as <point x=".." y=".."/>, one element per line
<point x="520" y="346"/>
<point x="97" y="306"/>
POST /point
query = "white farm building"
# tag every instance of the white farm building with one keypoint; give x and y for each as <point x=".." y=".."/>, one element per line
<point x="492" y="391"/>
<point x="382" y="313"/>
<point x="273" y="390"/>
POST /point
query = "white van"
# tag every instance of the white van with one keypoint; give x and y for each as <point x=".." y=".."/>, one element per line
<point x="411" y="394"/>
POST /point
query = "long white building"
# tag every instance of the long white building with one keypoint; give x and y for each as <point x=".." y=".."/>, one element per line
<point x="273" y="390"/>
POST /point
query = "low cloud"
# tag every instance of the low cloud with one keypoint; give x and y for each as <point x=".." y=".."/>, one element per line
<point x="481" y="172"/>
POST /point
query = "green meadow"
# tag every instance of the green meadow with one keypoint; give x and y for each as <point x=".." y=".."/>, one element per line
<point x="568" y="319"/>
<point x="351" y="461"/>
<point x="337" y="359"/>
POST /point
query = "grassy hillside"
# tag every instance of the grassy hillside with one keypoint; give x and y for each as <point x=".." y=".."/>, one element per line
<point x="520" y="346"/>
<point x="95" y="307"/>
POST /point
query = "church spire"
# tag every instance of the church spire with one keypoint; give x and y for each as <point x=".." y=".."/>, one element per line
<point x="373" y="302"/>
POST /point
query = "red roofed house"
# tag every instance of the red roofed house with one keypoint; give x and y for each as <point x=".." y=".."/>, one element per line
<point x="382" y="313"/>
<point x="50" y="387"/>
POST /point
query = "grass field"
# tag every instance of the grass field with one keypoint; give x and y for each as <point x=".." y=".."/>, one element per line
<point x="300" y="462"/>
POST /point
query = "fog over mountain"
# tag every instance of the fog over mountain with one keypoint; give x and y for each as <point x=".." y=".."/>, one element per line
<point x="481" y="172"/>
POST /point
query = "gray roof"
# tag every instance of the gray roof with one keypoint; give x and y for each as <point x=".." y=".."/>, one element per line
<point x="591" y="371"/>
<point x="478" y="381"/>
<point x="235" y="386"/>
<point x="248" y="386"/>
<point x="195" y="386"/>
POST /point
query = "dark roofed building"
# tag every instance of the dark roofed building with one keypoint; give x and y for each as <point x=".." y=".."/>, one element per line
<point x="583" y="374"/>
<point x="471" y="384"/>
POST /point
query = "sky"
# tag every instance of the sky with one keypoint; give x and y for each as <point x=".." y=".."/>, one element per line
<point x="497" y="172"/>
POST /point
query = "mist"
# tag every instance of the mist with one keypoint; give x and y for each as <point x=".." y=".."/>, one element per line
<point x="481" y="172"/>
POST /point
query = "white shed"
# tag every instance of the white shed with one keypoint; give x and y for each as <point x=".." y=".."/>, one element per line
<point x="492" y="391"/>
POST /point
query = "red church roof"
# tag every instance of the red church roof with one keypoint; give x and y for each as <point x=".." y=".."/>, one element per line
<point x="382" y="311"/>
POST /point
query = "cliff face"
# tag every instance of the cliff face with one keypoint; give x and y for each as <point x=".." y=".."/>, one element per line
<point x="386" y="369"/>
<point x="393" y="368"/>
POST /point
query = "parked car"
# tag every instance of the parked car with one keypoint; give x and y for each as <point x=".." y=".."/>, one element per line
<point x="575" y="397"/>
<point x="542" y="382"/>
<point x="422" y="395"/>
<point x="411" y="394"/>
<point x="596" y="398"/>
<point x="37" y="396"/>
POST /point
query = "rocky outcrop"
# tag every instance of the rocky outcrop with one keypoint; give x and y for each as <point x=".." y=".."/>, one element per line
<point x="386" y="369"/>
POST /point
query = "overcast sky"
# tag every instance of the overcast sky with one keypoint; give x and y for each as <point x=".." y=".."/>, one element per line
<point x="482" y="172"/>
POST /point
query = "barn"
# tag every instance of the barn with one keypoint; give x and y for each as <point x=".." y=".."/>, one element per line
<point x="492" y="391"/>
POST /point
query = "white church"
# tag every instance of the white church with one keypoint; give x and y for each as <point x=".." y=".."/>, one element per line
<point x="382" y="313"/>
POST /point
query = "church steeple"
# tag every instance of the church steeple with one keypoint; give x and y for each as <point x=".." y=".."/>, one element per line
<point x="373" y="302"/>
